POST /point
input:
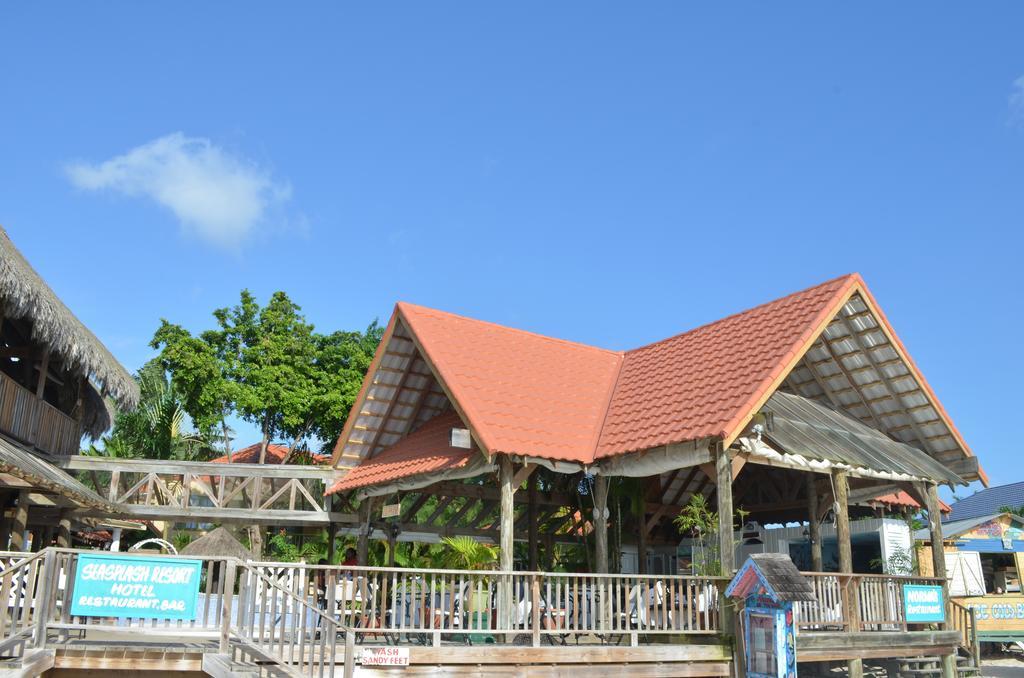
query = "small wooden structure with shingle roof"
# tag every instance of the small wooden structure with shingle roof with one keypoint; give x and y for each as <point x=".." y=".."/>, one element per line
<point x="773" y="574"/>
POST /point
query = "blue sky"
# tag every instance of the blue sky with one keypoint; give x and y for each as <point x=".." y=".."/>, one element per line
<point x="608" y="173"/>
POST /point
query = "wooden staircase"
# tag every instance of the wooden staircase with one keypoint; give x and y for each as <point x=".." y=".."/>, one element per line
<point x="920" y="667"/>
<point x="35" y="662"/>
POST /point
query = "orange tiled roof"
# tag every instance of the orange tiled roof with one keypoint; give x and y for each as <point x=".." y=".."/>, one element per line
<point x="427" y="450"/>
<point x="522" y="393"/>
<point x="275" y="455"/>
<point x="526" y="394"/>
<point x="901" y="498"/>
<point x="704" y="382"/>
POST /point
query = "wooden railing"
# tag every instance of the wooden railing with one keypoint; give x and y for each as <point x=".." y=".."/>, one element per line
<point x="399" y="605"/>
<point x="151" y="489"/>
<point x="31" y="420"/>
<point x="964" y="619"/>
<point x="855" y="602"/>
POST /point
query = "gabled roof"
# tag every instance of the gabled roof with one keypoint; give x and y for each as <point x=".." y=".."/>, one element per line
<point x="426" y="450"/>
<point x="525" y="394"/>
<point x="521" y="393"/>
<point x="706" y="382"/>
<point x="775" y="574"/>
<point x="988" y="501"/>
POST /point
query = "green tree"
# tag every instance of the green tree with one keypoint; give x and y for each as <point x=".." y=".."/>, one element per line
<point x="268" y="365"/>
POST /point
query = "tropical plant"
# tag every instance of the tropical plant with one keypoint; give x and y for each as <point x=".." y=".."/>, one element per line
<point x="158" y="428"/>
<point x="700" y="522"/>
<point x="466" y="553"/>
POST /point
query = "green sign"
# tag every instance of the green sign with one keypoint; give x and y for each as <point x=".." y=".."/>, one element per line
<point x="149" y="587"/>
<point x="923" y="604"/>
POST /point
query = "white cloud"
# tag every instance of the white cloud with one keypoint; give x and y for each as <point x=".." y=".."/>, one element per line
<point x="1017" y="101"/>
<point x="219" y="196"/>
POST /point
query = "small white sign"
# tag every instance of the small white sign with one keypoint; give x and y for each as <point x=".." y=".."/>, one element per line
<point x="391" y="510"/>
<point x="385" y="656"/>
<point x="461" y="438"/>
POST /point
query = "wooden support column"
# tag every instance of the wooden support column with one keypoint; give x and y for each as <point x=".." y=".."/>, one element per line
<point x="531" y="507"/>
<point x="814" y="522"/>
<point x="600" y="524"/>
<point x="20" y="522"/>
<point x="641" y="544"/>
<point x="931" y="499"/>
<point x="723" y="480"/>
<point x="930" y="494"/>
<point x="840" y="479"/>
<point x="363" y="541"/>
<point x="63" y="531"/>
<point x="44" y="368"/>
<point x="507" y="512"/>
<point x="841" y="482"/>
<point x="506" y="481"/>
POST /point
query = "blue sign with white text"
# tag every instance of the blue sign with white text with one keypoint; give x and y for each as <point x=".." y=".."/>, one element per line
<point x="150" y="587"/>
<point x="923" y="604"/>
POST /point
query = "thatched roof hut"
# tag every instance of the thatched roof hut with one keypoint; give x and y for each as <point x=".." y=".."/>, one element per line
<point x="24" y="294"/>
<point x="218" y="543"/>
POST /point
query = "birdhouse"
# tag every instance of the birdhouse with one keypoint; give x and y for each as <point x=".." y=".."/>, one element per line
<point x="767" y="585"/>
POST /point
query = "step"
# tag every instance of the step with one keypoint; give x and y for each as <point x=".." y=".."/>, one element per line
<point x="34" y="663"/>
<point x="223" y="666"/>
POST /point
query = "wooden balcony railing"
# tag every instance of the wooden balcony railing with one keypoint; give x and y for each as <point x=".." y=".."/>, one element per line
<point x="35" y="422"/>
<point x="855" y="602"/>
<point x="397" y="604"/>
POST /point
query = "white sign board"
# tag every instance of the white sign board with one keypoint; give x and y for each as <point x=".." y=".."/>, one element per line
<point x="385" y="656"/>
<point x="461" y="438"/>
<point x="391" y="510"/>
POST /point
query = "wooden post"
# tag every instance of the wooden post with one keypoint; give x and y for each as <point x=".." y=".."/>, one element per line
<point x="641" y="544"/>
<point x="814" y="522"/>
<point x="931" y="498"/>
<point x="115" y="541"/>
<point x="332" y="532"/>
<point x="44" y="367"/>
<point x="600" y="524"/>
<point x="505" y="603"/>
<point x="363" y="541"/>
<point x="225" y="609"/>
<point x="20" y="522"/>
<point x="531" y="506"/>
<point x="507" y="512"/>
<point x="63" y="531"/>
<point x="855" y="667"/>
<point x="44" y="599"/>
<point x="839" y="479"/>
<point x="931" y="501"/>
<point x="723" y="481"/>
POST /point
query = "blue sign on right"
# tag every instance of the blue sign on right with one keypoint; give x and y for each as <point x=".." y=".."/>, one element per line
<point x="923" y="604"/>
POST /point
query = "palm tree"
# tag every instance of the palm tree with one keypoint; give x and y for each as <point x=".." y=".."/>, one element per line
<point x="157" y="429"/>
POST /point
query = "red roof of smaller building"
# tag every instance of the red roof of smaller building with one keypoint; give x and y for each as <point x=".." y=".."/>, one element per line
<point x="275" y="455"/>
<point x="903" y="499"/>
<point x="426" y="450"/>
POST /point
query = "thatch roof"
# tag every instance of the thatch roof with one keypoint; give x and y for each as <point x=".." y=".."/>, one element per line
<point x="25" y="294"/>
<point x="219" y="543"/>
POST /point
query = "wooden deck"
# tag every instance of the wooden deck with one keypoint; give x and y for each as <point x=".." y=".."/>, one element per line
<point x="289" y="619"/>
